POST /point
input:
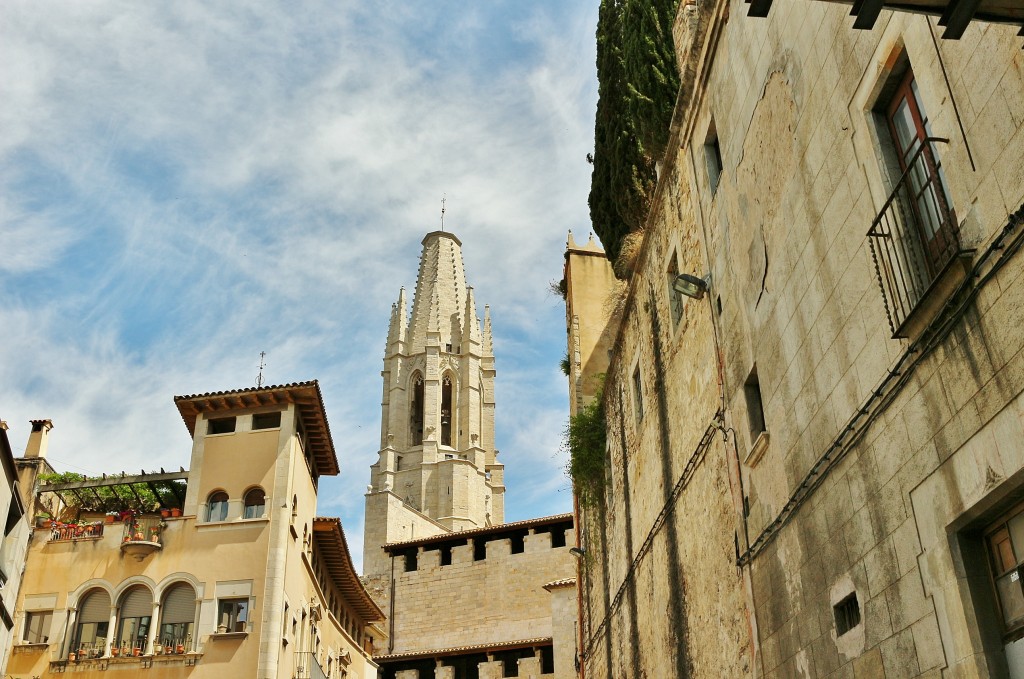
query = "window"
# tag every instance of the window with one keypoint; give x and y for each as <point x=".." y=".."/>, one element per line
<point x="217" y="506"/>
<point x="713" y="157"/>
<point x="221" y="425"/>
<point x="446" y="411"/>
<point x="909" y="129"/>
<point x="177" y="615"/>
<point x="638" y="394"/>
<point x="755" y="411"/>
<point x="847" y="614"/>
<point x="37" y="627"/>
<point x="1005" y="542"/>
<point x="134" y="616"/>
<point x="266" y="420"/>
<point x="416" y="410"/>
<point x="232" y="615"/>
<point x="675" y="298"/>
<point x="914" y="239"/>
<point x="255" y="503"/>
<point x="93" y="620"/>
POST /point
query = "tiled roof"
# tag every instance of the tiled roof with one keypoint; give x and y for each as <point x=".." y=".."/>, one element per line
<point x="564" y="582"/>
<point x="305" y="394"/>
<point x="333" y="547"/>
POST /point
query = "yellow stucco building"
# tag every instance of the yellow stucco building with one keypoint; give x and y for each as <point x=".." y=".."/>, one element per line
<point x="246" y="580"/>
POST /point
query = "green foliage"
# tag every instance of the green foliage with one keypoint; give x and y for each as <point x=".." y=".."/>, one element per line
<point x="637" y="83"/>
<point x="565" y="365"/>
<point x="137" y="497"/>
<point x="651" y="72"/>
<point x="586" y="440"/>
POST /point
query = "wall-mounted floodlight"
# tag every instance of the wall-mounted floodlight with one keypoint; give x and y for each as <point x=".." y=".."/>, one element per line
<point x="691" y="286"/>
<point x="577" y="552"/>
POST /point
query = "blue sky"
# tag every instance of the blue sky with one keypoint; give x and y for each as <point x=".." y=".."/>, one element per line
<point x="184" y="185"/>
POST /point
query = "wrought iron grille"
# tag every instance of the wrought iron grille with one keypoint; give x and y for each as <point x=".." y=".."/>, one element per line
<point x="308" y="667"/>
<point x="915" y="236"/>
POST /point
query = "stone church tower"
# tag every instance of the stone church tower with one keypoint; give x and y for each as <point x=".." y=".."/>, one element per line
<point x="438" y="470"/>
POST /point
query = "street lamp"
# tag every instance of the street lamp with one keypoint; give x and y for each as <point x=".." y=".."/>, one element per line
<point x="691" y="286"/>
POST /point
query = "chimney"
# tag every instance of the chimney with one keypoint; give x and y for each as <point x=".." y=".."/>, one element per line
<point x="37" y="440"/>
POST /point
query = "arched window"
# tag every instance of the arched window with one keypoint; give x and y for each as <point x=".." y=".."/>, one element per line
<point x="177" y="615"/>
<point x="217" y="506"/>
<point x="255" y="503"/>
<point x="416" y="410"/>
<point x="447" y="411"/>
<point x="133" y="618"/>
<point x="93" y="620"/>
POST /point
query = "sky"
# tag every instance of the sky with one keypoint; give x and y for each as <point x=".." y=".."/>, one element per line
<point x="184" y="185"/>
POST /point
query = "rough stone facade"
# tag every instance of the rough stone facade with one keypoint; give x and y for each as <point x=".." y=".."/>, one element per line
<point x="841" y="517"/>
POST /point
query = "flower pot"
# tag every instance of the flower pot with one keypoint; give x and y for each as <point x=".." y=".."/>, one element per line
<point x="159" y="649"/>
<point x="115" y="651"/>
<point x="175" y="512"/>
<point x="72" y="657"/>
<point x="165" y="513"/>
<point x="110" y="518"/>
<point x="179" y="649"/>
<point x="136" y="651"/>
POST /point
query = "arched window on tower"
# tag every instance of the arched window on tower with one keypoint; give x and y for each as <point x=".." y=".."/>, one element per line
<point x="447" y="412"/>
<point x="416" y="410"/>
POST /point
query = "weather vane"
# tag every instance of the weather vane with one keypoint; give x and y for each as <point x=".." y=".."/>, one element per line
<point x="444" y="197"/>
<point x="259" y="378"/>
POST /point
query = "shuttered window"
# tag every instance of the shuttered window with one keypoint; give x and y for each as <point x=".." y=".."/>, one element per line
<point x="137" y="603"/>
<point x="180" y="604"/>
<point x="178" y="614"/>
<point x="95" y="608"/>
<point x="135" y="614"/>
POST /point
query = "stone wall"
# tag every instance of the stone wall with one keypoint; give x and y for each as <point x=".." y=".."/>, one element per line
<point x="882" y="460"/>
<point x="498" y="599"/>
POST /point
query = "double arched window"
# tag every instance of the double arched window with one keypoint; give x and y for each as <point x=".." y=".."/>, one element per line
<point x="255" y="503"/>
<point x="447" y="409"/>
<point x="217" y="506"/>
<point x="416" y="410"/>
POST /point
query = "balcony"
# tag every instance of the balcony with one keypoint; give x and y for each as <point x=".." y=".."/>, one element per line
<point x="66" y="532"/>
<point x="308" y="667"/>
<point x="142" y="536"/>
<point x="915" y="246"/>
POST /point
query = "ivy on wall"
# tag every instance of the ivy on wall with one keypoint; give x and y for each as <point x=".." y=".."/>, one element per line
<point x="586" y="440"/>
<point x="637" y="84"/>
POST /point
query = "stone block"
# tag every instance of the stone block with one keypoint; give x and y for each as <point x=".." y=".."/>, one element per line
<point x="928" y="643"/>
<point x="899" y="656"/>
<point x="881" y="567"/>
<point x="869" y="665"/>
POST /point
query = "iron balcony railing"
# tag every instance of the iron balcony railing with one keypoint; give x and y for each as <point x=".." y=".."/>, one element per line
<point x="915" y="236"/>
<point x="308" y="667"/>
<point x="61" y="532"/>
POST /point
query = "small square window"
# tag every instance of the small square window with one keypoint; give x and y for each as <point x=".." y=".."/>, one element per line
<point x="266" y="420"/>
<point x="847" y="614"/>
<point x="37" y="626"/>
<point x="232" y="615"/>
<point x="221" y="425"/>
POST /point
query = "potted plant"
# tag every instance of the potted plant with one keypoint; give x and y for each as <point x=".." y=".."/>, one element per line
<point x="154" y="534"/>
<point x="72" y="657"/>
<point x="179" y="648"/>
<point x="137" y="651"/>
<point x="111" y="517"/>
<point x="158" y="648"/>
<point x="175" y="512"/>
<point x="115" y="651"/>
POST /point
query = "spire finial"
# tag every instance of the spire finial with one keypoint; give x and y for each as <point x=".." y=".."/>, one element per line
<point x="259" y="378"/>
<point x="444" y="198"/>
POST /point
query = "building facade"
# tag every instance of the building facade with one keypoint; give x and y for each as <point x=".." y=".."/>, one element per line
<point x="815" y="439"/>
<point x="241" y="579"/>
<point x="14" y="544"/>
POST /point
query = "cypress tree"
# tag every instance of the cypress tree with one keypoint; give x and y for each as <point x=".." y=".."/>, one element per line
<point x="650" y="69"/>
<point x="623" y="177"/>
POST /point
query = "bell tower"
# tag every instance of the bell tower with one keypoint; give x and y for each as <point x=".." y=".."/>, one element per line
<point x="437" y="469"/>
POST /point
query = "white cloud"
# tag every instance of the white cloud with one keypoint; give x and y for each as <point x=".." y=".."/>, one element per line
<point x="190" y="184"/>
